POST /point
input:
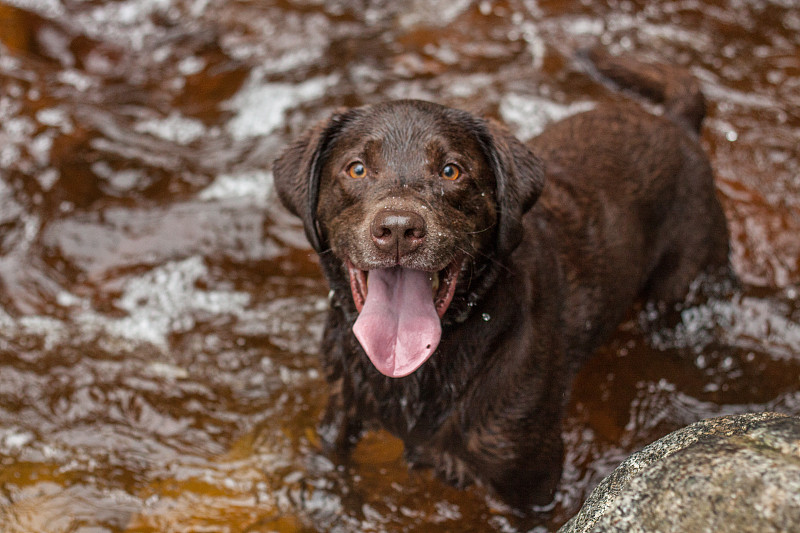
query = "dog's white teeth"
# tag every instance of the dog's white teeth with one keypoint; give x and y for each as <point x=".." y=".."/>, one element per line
<point x="435" y="283"/>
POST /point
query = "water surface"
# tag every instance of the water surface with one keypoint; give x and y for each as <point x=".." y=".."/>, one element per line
<point x="159" y="312"/>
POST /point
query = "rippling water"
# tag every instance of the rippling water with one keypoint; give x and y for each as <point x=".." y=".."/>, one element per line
<point x="159" y="312"/>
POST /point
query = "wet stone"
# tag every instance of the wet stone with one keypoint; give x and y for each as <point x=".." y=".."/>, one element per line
<point x="729" y="474"/>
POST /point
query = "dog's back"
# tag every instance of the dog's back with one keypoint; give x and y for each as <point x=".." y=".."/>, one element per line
<point x="629" y="201"/>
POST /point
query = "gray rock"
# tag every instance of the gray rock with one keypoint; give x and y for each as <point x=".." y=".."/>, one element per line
<point x="730" y="474"/>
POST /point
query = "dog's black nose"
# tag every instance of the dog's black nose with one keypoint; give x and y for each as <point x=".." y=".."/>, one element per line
<point x="398" y="231"/>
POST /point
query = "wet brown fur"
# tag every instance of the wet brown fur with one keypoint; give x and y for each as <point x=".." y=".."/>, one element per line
<point x="625" y="210"/>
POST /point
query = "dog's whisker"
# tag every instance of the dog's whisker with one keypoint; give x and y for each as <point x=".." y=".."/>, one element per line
<point x="476" y="232"/>
<point x="486" y="256"/>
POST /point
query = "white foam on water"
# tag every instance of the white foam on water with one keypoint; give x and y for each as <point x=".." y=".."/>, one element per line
<point x="56" y="117"/>
<point x="167" y="371"/>
<point x="14" y="438"/>
<point x="130" y="20"/>
<point x="744" y="322"/>
<point x="164" y="301"/>
<point x="292" y="324"/>
<point x="439" y="12"/>
<point x="261" y="107"/>
<point x="582" y="25"/>
<point x="52" y="331"/>
<point x="46" y="8"/>
<point x="174" y="128"/>
<point x="531" y="114"/>
<point x="10" y="209"/>
<point x="76" y="79"/>
<point x="15" y="133"/>
<point x="255" y="186"/>
<point x="160" y="302"/>
<point x="122" y="180"/>
<point x="191" y="65"/>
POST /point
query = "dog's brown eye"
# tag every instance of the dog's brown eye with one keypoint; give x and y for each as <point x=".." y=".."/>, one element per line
<point x="357" y="170"/>
<point x="450" y="172"/>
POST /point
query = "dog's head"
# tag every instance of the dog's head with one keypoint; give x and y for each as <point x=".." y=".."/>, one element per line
<point x="408" y="196"/>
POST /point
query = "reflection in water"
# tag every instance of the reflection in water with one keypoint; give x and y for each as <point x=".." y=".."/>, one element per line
<point x="159" y="313"/>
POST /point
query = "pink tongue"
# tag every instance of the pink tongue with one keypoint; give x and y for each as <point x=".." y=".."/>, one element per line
<point x="398" y="325"/>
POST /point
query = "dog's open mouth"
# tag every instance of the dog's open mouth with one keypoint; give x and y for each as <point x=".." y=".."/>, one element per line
<point x="399" y="310"/>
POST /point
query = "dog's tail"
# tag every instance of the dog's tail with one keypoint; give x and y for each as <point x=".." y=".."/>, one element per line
<point x="669" y="85"/>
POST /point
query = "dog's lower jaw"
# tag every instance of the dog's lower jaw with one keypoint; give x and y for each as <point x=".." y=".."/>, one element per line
<point x="444" y="284"/>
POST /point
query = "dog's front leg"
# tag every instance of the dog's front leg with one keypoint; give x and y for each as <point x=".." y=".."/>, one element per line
<point x="340" y="427"/>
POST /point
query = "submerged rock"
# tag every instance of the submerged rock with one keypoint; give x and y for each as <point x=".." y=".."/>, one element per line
<point x="729" y="474"/>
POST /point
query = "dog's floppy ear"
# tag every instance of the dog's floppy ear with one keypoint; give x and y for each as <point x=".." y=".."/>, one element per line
<point x="297" y="173"/>
<point x="519" y="176"/>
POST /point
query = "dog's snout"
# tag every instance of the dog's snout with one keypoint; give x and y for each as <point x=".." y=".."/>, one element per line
<point x="398" y="231"/>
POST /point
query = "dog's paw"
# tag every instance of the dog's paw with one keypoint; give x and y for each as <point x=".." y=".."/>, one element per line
<point x="447" y="466"/>
<point x="454" y="471"/>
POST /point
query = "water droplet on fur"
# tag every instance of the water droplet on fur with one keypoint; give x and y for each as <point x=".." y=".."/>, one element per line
<point x="486" y="317"/>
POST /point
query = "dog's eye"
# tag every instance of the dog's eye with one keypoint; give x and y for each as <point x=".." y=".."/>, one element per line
<point x="450" y="172"/>
<point x="357" y="170"/>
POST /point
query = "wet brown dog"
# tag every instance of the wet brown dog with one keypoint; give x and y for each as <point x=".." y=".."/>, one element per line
<point x="471" y="275"/>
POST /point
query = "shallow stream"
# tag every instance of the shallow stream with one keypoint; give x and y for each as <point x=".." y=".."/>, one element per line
<point x="159" y="312"/>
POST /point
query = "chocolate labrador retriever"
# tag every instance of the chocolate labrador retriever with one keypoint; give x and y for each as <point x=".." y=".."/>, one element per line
<point x="471" y="274"/>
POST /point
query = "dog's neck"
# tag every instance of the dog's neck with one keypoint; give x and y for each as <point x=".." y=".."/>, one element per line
<point x="465" y="301"/>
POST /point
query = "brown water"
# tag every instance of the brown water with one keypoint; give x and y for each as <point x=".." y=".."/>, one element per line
<point x="159" y="313"/>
